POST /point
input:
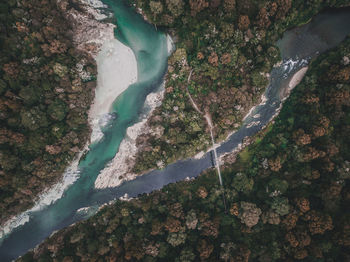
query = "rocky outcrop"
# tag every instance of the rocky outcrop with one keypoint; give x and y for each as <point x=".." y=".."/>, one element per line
<point x="89" y="33"/>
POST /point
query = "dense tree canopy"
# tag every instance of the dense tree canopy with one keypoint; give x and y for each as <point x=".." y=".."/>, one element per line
<point x="43" y="103"/>
<point x="298" y="211"/>
<point x="230" y="46"/>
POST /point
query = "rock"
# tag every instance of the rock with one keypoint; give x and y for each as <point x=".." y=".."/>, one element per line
<point x="88" y="33"/>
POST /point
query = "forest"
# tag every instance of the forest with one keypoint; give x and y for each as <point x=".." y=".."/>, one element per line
<point x="287" y="194"/>
<point x="46" y="88"/>
<point x="230" y="46"/>
<point x="47" y="84"/>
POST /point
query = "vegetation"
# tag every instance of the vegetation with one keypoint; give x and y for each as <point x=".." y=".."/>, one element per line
<point x="288" y="197"/>
<point x="230" y="46"/>
<point x="43" y="100"/>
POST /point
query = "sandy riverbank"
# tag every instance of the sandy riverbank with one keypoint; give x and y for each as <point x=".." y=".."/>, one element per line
<point x="119" y="169"/>
<point x="89" y="36"/>
<point x="297" y="77"/>
<point x="293" y="82"/>
<point x="116" y="71"/>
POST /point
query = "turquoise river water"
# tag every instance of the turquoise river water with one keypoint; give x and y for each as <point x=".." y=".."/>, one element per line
<point x="150" y="49"/>
<point x="298" y="47"/>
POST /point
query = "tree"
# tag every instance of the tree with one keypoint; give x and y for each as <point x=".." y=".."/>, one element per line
<point x="33" y="119"/>
<point x="250" y="214"/>
<point x="57" y="110"/>
<point x="173" y="225"/>
<point x="318" y="222"/>
<point x="303" y="204"/>
<point x="191" y="219"/>
<point x="243" y="22"/>
<point x="186" y="255"/>
<point x="204" y="249"/>
<point x="197" y="6"/>
<point x="29" y="94"/>
<point x="176" y="239"/>
<point x="229" y="5"/>
<point x="276" y="187"/>
<point x="271" y="217"/>
<point x="156" y="7"/>
<point x="280" y="205"/>
<point x="242" y="183"/>
<point x="176" y="7"/>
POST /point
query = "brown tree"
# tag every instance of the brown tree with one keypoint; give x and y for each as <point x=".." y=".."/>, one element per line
<point x="318" y="222"/>
<point x="243" y="22"/>
<point x="213" y="59"/>
<point x="229" y="5"/>
<point x="197" y="6"/>
<point x="303" y="204"/>
<point x="204" y="248"/>
<point x="172" y="225"/>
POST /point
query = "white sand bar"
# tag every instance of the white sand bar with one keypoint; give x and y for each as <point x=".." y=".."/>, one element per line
<point x="119" y="169"/>
<point x="293" y="82"/>
<point x="116" y="71"/>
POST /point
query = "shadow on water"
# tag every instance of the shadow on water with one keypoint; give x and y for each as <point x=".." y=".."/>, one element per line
<point x="298" y="46"/>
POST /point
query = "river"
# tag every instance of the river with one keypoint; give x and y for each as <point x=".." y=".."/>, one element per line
<point x="298" y="46"/>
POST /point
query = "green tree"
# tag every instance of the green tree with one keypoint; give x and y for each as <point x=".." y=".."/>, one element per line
<point x="57" y="110"/>
<point x="241" y="182"/>
<point x="156" y="7"/>
<point x="33" y="119"/>
<point x="176" y="7"/>
<point x="280" y="205"/>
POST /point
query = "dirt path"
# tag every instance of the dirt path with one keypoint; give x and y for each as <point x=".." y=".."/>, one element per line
<point x="210" y="125"/>
<point x="188" y="92"/>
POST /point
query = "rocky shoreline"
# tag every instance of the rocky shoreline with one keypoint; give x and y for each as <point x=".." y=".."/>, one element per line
<point x="90" y="32"/>
<point x="119" y="169"/>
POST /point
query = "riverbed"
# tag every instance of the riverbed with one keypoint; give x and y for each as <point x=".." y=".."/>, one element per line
<point x="149" y="46"/>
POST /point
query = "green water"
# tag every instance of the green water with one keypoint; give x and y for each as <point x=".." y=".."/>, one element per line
<point x="150" y="49"/>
